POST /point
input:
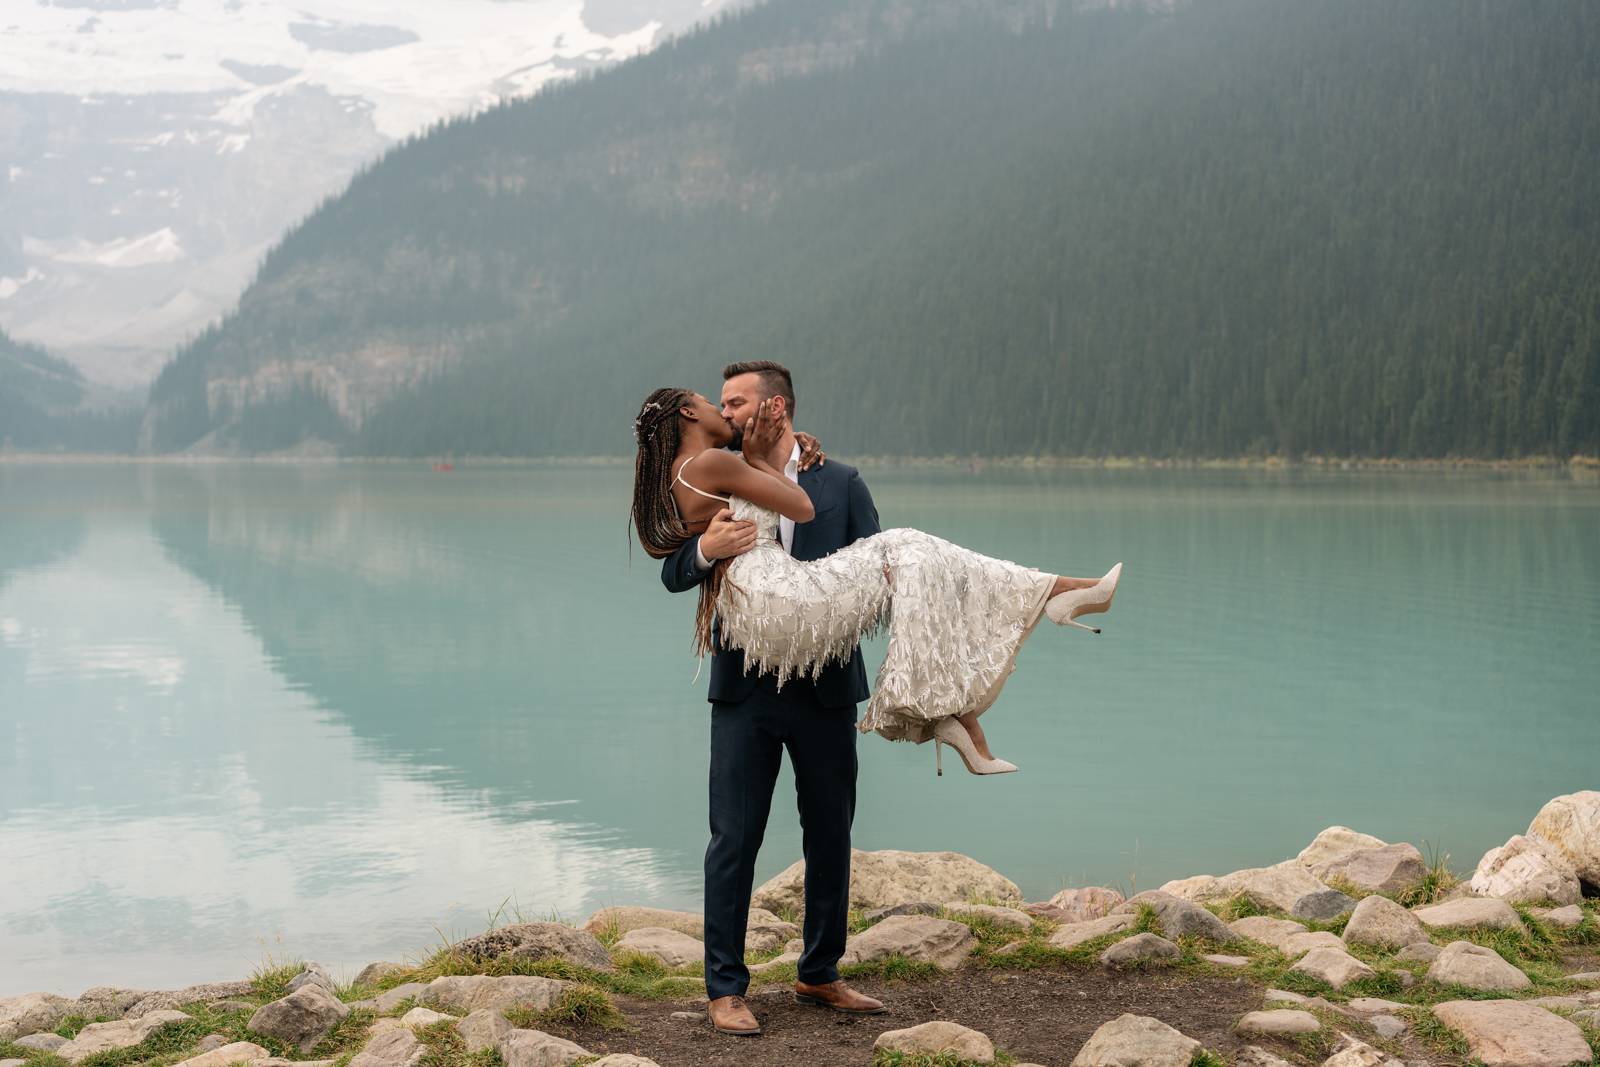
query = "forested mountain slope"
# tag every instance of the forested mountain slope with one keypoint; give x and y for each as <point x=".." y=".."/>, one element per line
<point x="1246" y="226"/>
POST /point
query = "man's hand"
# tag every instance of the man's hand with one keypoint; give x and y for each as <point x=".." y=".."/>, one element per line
<point x="725" y="538"/>
<point x="811" y="452"/>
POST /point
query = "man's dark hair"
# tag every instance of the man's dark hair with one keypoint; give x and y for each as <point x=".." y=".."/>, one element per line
<point x="775" y="379"/>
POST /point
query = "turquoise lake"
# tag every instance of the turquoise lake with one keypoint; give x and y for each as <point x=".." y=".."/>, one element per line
<point x="341" y="711"/>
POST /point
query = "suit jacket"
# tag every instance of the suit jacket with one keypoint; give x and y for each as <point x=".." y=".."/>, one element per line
<point x="844" y="513"/>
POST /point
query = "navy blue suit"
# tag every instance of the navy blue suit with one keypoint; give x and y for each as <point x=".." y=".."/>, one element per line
<point x="752" y="722"/>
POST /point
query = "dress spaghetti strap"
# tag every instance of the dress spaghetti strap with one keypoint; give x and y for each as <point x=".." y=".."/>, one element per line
<point x="680" y="480"/>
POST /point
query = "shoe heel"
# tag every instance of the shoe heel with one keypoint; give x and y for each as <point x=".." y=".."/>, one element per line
<point x="1081" y="625"/>
<point x="938" y="759"/>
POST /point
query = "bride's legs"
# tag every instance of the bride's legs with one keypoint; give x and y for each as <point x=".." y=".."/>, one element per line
<point x="970" y="722"/>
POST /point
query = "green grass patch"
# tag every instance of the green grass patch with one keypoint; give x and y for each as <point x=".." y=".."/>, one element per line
<point x="1204" y="1057"/>
<point x="582" y="1005"/>
<point x="163" y="1041"/>
<point x="890" y="1058"/>
<point x="892" y="969"/>
<point x="1427" y="1028"/>
<point x="271" y="979"/>
<point x="1146" y="922"/>
<point x="1439" y="880"/>
<point x="445" y="1048"/>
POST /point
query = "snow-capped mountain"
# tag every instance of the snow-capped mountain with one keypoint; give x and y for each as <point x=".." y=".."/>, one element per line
<point x="152" y="150"/>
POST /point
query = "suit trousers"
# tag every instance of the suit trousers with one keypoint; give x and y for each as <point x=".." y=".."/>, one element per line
<point x="747" y="743"/>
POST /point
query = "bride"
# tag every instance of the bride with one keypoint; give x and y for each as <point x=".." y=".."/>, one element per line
<point x="956" y="619"/>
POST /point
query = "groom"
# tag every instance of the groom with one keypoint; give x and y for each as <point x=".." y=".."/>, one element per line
<point x="752" y="722"/>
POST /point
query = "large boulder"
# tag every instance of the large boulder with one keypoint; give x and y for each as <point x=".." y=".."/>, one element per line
<point x="938" y="1038"/>
<point x="1334" y="966"/>
<point x="204" y="992"/>
<point x="301" y="1019"/>
<point x="1476" y="967"/>
<point x="878" y="879"/>
<point x="32" y="1013"/>
<point x="1470" y="911"/>
<point x="1525" y="870"/>
<point x="1570" y="824"/>
<point x="922" y="938"/>
<point x="1380" y="921"/>
<point x="536" y="941"/>
<point x="1509" y="1033"/>
<point x="483" y="1029"/>
<point x="1391" y="869"/>
<point x="119" y="1034"/>
<point x="1090" y="902"/>
<point x="668" y="946"/>
<point x="535" y="1048"/>
<point x="1006" y="918"/>
<point x="1333" y="844"/>
<point x="463" y="994"/>
<point x="1178" y="917"/>
<point x="1136" y="1041"/>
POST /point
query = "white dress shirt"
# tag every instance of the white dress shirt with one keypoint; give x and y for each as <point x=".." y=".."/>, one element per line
<point x="791" y="471"/>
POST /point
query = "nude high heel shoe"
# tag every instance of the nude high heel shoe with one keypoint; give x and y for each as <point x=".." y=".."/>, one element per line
<point x="949" y="732"/>
<point x="1064" y="608"/>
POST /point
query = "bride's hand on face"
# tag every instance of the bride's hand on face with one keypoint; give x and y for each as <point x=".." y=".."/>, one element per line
<point x="761" y="433"/>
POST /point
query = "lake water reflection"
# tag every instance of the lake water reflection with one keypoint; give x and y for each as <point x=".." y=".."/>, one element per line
<point x="337" y="711"/>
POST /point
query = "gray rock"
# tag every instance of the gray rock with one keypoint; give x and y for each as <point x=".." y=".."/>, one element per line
<point x="1470" y="911"/>
<point x="373" y="973"/>
<point x="1388" y="1026"/>
<point x="765" y="932"/>
<point x="688" y="1016"/>
<point x="313" y="973"/>
<point x="1352" y="1052"/>
<point x="1509" y="1033"/>
<point x="396" y="1047"/>
<point x="46" y="1042"/>
<point x="934" y="1038"/>
<point x="1089" y="902"/>
<point x="13" y="1063"/>
<point x="1584" y="976"/>
<point x="203" y="993"/>
<point x="1420" y="952"/>
<point x="1465" y="964"/>
<point x="1373" y="1005"/>
<point x="1334" y="966"/>
<point x="878" y="879"/>
<point x="1136" y="1041"/>
<point x="1565" y="918"/>
<point x="1074" y="934"/>
<point x="390" y="999"/>
<point x="537" y="941"/>
<point x="122" y="1033"/>
<point x="913" y="907"/>
<point x="1391" y="869"/>
<point x="1139" y="949"/>
<point x="108" y="1002"/>
<point x="1227" y="961"/>
<point x="463" y="994"/>
<point x="672" y="948"/>
<point x="616" y="921"/>
<point x="1334" y="844"/>
<point x="1328" y="904"/>
<point x="221" y="1055"/>
<point x="215" y="1041"/>
<point x="1380" y="921"/>
<point x="1278" y="1022"/>
<point x="32" y="1013"/>
<point x="943" y="943"/>
<point x="1297" y="945"/>
<point x="623" y="1059"/>
<point x="535" y="1048"/>
<point x="1267" y="930"/>
<point x="1255" y="1056"/>
<point x="1570" y="825"/>
<point x="419" y="1017"/>
<point x="1178" y="917"/>
<point x="301" y="1019"/>
<point x="483" y="1029"/>
<point x="1525" y="870"/>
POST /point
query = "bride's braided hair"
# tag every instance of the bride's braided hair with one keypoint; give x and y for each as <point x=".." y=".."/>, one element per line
<point x="659" y="432"/>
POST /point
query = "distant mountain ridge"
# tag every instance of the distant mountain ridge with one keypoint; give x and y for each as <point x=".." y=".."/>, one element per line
<point x="1242" y="227"/>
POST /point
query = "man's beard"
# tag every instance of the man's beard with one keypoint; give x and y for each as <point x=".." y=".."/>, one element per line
<point x="737" y="444"/>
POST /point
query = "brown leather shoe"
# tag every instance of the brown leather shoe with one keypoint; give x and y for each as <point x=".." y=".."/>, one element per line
<point x="839" y="997"/>
<point x="730" y="1015"/>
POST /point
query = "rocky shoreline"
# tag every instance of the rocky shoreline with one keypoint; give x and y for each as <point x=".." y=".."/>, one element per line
<point x="1355" y="953"/>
